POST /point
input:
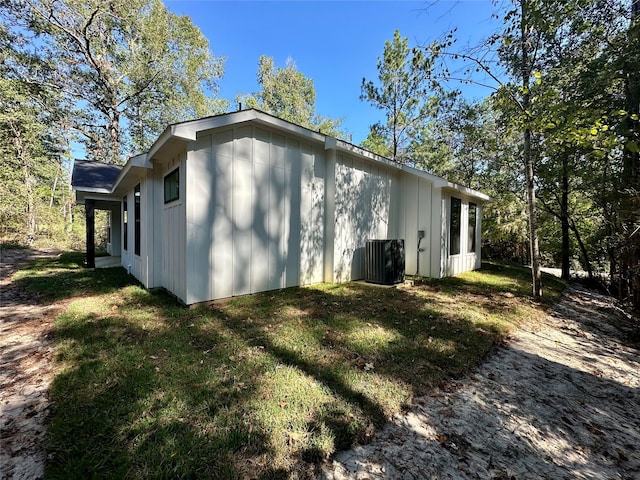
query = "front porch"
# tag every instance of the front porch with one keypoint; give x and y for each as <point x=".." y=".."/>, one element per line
<point x="92" y="182"/>
<point x="108" y="262"/>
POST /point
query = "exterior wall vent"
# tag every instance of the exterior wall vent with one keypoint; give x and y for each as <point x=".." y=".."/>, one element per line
<point x="384" y="261"/>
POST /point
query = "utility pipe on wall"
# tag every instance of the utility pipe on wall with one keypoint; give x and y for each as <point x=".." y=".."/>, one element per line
<point x="420" y="237"/>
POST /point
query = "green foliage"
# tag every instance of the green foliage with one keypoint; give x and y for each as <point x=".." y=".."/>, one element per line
<point x="459" y="143"/>
<point x="377" y="142"/>
<point x="117" y="62"/>
<point x="32" y="172"/>
<point x="288" y="94"/>
<point x="406" y="95"/>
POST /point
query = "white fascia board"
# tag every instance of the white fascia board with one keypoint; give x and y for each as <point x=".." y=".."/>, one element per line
<point x="437" y="181"/>
<point x="255" y="116"/>
<point x="187" y="131"/>
<point x="440" y="182"/>
<point x="331" y="143"/>
<point x="82" y="195"/>
<point x="271" y="121"/>
<point x="103" y="198"/>
<point x="218" y="121"/>
<point x="90" y="189"/>
<point x="469" y="192"/>
<point x="184" y="132"/>
<point x="139" y="161"/>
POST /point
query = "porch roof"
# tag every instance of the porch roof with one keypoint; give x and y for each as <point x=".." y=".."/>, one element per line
<point x="94" y="177"/>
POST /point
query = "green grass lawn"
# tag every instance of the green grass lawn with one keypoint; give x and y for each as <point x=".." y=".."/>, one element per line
<point x="261" y="386"/>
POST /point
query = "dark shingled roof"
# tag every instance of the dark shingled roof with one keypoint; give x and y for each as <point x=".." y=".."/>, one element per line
<point x="93" y="175"/>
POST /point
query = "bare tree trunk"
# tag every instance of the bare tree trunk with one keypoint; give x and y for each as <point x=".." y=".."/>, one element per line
<point x="55" y="185"/>
<point x="30" y="209"/>
<point x="534" y="248"/>
<point x="564" y="218"/>
<point x="583" y="249"/>
<point x="528" y="158"/>
<point x="114" y="134"/>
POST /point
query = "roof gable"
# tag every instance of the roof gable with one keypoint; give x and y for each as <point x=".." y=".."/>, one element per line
<point x="97" y="177"/>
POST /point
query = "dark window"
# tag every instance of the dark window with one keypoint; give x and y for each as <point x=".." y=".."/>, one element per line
<point x="471" y="245"/>
<point x="172" y="186"/>
<point x="136" y="219"/>
<point x="454" y="227"/>
<point x="125" y="230"/>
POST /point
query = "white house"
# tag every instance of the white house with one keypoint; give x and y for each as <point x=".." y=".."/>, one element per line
<point x="245" y="202"/>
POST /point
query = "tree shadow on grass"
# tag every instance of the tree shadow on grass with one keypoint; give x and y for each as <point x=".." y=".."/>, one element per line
<point x="156" y="390"/>
<point x="64" y="277"/>
<point x="125" y="403"/>
<point x="424" y="349"/>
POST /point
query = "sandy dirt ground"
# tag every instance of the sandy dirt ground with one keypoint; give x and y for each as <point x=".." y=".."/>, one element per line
<point x="26" y="371"/>
<point x="561" y="401"/>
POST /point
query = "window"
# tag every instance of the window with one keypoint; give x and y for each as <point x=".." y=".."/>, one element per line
<point x="136" y="219"/>
<point x="125" y="230"/>
<point x="454" y="226"/>
<point x="172" y="186"/>
<point x="471" y="245"/>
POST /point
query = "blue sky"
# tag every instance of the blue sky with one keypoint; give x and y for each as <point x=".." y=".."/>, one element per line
<point x="336" y="43"/>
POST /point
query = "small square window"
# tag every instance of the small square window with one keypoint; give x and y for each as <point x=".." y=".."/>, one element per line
<point x="172" y="186"/>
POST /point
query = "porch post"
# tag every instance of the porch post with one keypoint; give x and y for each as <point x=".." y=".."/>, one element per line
<point x="89" y="207"/>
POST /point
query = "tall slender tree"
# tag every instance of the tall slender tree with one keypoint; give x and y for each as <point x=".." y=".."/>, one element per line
<point x="289" y="94"/>
<point x="406" y="95"/>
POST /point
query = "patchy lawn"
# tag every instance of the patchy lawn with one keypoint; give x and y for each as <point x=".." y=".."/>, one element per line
<point x="262" y="386"/>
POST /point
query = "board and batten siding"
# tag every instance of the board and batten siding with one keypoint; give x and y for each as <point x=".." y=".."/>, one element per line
<point x="366" y="202"/>
<point x="420" y="206"/>
<point x="138" y="265"/>
<point x="254" y="213"/>
<point x="170" y="231"/>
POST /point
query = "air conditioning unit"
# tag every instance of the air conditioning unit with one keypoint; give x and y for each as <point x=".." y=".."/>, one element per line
<point x="384" y="261"/>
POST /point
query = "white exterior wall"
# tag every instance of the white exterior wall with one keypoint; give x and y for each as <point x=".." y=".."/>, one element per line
<point x="265" y="205"/>
<point x="169" y="227"/>
<point x="465" y="260"/>
<point x="254" y="213"/>
<point x="366" y="196"/>
<point x="138" y="265"/>
<point x="419" y="200"/>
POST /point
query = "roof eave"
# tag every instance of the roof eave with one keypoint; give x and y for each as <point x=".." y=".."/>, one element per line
<point x="469" y="192"/>
<point x="139" y="162"/>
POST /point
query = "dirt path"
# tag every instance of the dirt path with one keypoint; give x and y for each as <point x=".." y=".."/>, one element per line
<point x="559" y="402"/>
<point x="26" y="371"/>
